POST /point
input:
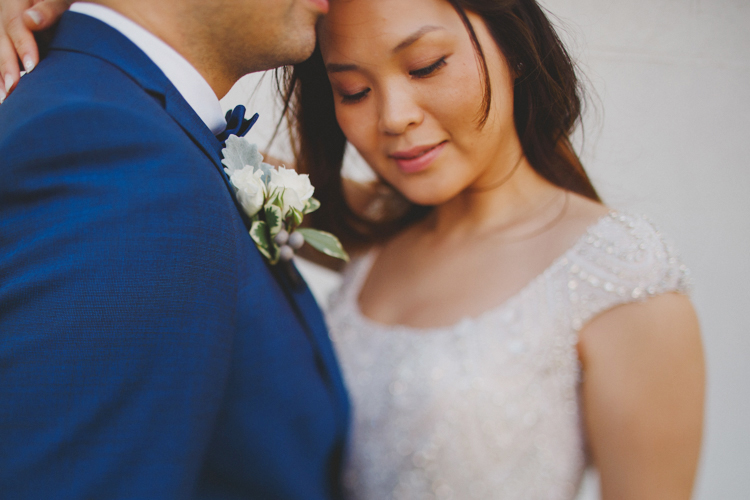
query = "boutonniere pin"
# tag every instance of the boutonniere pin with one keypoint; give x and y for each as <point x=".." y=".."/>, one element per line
<point x="276" y="200"/>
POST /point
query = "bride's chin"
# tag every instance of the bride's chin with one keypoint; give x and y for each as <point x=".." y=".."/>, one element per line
<point x="428" y="197"/>
<point x="427" y="190"/>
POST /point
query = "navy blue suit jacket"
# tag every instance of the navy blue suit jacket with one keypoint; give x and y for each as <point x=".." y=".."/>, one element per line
<point x="147" y="351"/>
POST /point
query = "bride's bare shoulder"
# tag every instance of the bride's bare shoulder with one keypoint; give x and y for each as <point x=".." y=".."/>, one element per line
<point x="579" y="215"/>
<point x="584" y="211"/>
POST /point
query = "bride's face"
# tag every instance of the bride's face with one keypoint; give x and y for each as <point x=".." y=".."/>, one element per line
<point x="408" y="90"/>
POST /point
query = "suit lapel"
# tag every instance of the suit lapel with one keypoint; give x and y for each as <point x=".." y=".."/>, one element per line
<point x="307" y="309"/>
<point x="186" y="118"/>
<point x="319" y="331"/>
<point x="84" y="34"/>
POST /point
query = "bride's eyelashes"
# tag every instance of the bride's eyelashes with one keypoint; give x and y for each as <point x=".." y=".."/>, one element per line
<point x="354" y="98"/>
<point x="429" y="70"/>
<point x="417" y="73"/>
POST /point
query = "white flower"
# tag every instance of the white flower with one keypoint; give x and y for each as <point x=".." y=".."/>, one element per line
<point x="251" y="191"/>
<point x="295" y="188"/>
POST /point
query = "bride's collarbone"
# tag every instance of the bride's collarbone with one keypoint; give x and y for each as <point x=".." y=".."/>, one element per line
<point x="415" y="281"/>
<point x="433" y="287"/>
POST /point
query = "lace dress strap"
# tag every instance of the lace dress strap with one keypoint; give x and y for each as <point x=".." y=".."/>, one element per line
<point x="624" y="258"/>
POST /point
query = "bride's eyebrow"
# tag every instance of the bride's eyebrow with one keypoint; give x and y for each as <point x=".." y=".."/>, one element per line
<point x="411" y="39"/>
<point x="408" y="41"/>
<point x="340" y="68"/>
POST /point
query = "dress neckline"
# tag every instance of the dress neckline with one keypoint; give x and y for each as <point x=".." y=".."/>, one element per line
<point x="362" y="272"/>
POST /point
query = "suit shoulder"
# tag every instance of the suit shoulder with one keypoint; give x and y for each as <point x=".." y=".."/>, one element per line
<point x="80" y="129"/>
<point x="83" y="151"/>
<point x="87" y="92"/>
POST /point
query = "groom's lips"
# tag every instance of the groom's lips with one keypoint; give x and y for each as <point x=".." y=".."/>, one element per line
<point x="322" y="5"/>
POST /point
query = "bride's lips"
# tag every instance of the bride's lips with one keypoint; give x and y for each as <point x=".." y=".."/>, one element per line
<point x="417" y="158"/>
<point x="322" y="5"/>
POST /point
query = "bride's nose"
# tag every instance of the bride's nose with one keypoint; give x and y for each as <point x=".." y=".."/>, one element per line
<point x="399" y="111"/>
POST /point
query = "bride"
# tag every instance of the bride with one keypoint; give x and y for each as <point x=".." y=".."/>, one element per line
<point x="501" y="328"/>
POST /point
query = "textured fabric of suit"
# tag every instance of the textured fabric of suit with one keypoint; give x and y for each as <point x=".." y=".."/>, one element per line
<point x="146" y="349"/>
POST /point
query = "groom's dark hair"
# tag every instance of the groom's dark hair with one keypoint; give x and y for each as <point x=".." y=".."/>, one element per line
<point x="547" y="108"/>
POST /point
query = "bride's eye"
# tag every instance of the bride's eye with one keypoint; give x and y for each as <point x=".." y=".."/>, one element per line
<point x="428" y="70"/>
<point x="353" y="98"/>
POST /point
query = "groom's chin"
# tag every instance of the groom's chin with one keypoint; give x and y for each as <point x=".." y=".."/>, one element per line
<point x="286" y="57"/>
<point x="304" y="45"/>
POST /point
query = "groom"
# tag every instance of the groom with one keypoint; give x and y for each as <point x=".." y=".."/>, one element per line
<point x="147" y="350"/>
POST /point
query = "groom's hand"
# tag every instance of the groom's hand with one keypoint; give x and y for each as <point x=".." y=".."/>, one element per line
<point x="18" y="20"/>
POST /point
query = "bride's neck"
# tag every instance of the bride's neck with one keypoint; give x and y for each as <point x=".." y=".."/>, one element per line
<point x="504" y="207"/>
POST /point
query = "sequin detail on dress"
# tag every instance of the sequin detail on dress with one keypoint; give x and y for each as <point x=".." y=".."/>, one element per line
<point x="488" y="408"/>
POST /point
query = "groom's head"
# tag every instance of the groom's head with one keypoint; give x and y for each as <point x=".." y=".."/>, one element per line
<point x="227" y="39"/>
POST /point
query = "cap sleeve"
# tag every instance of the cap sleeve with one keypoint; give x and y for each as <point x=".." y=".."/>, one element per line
<point x="623" y="258"/>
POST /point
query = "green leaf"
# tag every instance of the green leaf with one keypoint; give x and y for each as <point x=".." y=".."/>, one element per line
<point x="312" y="205"/>
<point x="274" y="254"/>
<point x="325" y="242"/>
<point x="296" y="217"/>
<point x="275" y="198"/>
<point x="238" y="153"/>
<point x="259" y="234"/>
<point x="274" y="219"/>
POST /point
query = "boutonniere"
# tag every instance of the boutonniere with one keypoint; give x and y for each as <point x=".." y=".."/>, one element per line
<point x="276" y="200"/>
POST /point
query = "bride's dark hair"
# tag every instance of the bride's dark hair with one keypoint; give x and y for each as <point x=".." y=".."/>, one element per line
<point x="547" y="107"/>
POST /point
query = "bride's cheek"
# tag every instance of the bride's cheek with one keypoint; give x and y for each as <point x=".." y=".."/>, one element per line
<point x="360" y="128"/>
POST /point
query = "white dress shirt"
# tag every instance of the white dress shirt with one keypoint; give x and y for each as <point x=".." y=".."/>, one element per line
<point x="191" y="84"/>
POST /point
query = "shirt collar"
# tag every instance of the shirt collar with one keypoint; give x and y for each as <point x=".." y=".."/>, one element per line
<point x="186" y="79"/>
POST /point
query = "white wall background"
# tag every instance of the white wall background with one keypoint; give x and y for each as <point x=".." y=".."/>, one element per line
<point x="669" y="136"/>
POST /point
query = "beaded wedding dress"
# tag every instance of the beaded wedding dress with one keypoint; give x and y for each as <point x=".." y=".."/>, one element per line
<point x="488" y="408"/>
